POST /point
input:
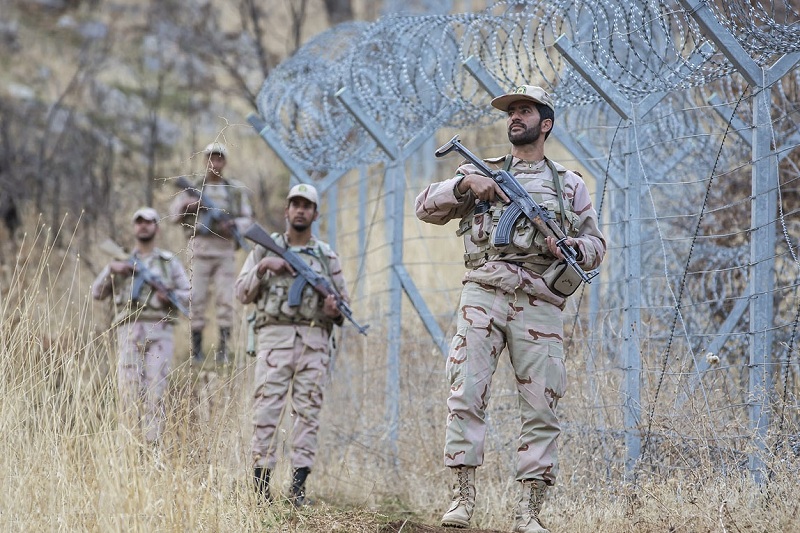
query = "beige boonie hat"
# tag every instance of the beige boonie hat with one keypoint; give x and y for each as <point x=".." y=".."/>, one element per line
<point x="523" y="92"/>
<point x="304" y="190"/>
<point x="216" y="148"/>
<point x="147" y="213"/>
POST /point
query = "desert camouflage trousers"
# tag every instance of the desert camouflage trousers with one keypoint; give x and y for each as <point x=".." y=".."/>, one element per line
<point x="218" y="270"/>
<point x="489" y="320"/>
<point x="145" y="358"/>
<point x="298" y="368"/>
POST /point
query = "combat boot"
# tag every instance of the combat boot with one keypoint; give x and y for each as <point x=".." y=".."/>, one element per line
<point x="297" y="495"/>
<point x="529" y="506"/>
<point x="261" y="482"/>
<point x="222" y="351"/>
<point x="460" y="511"/>
<point x="197" y="347"/>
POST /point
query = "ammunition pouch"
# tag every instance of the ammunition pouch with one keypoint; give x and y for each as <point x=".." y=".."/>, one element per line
<point x="562" y="279"/>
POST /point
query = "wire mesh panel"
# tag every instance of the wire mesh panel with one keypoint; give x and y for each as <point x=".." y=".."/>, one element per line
<point x="691" y="157"/>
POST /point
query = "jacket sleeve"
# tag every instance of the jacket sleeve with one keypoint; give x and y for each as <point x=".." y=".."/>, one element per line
<point x="337" y="276"/>
<point x="244" y="218"/>
<point x="177" y="211"/>
<point x="248" y="284"/>
<point x="102" y="285"/>
<point x="339" y="283"/>
<point x="590" y="240"/>
<point x="180" y="281"/>
<point x="440" y="203"/>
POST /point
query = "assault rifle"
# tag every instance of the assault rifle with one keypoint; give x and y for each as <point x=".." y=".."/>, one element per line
<point x="142" y="275"/>
<point x="210" y="213"/>
<point x="305" y="275"/>
<point x="521" y="205"/>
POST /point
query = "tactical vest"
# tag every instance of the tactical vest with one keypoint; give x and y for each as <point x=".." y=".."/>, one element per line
<point x="527" y="245"/>
<point x="227" y="196"/>
<point x="272" y="304"/>
<point x="146" y="306"/>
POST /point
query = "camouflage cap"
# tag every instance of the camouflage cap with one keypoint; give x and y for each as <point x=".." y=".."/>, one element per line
<point x="524" y="92"/>
<point x="147" y="213"/>
<point x="303" y="190"/>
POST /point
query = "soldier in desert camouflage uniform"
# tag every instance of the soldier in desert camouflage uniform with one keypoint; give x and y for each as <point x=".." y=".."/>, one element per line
<point x="293" y="346"/>
<point x="144" y="326"/>
<point x="505" y="302"/>
<point x="212" y="246"/>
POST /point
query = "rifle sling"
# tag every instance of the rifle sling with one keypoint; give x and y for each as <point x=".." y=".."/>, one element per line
<point x="557" y="183"/>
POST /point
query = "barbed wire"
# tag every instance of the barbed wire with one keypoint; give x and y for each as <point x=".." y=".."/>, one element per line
<point x="406" y="71"/>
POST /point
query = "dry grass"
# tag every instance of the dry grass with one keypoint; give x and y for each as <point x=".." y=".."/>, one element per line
<point x="67" y="465"/>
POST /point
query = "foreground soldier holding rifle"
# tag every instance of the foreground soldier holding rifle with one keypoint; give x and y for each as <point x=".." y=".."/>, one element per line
<point x="293" y="322"/>
<point x="530" y="233"/>
<point x="150" y="287"/>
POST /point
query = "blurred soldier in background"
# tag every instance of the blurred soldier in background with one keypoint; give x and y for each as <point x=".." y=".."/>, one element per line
<point x="144" y="317"/>
<point x="507" y="303"/>
<point x="213" y="212"/>
<point x="293" y="346"/>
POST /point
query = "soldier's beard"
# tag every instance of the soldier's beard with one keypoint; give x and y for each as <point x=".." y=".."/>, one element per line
<point x="146" y="237"/>
<point x="529" y="136"/>
<point x="300" y="227"/>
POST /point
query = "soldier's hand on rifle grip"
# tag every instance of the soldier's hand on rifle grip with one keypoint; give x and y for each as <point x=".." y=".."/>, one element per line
<point x="329" y="306"/>
<point x="556" y="251"/>
<point x="121" y="268"/>
<point x="483" y="187"/>
<point x="276" y="265"/>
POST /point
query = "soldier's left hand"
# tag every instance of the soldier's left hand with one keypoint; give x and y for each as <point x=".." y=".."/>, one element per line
<point x="329" y="306"/>
<point x="555" y="250"/>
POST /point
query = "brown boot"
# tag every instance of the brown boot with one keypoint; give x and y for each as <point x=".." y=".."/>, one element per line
<point x="529" y="506"/>
<point x="460" y="511"/>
